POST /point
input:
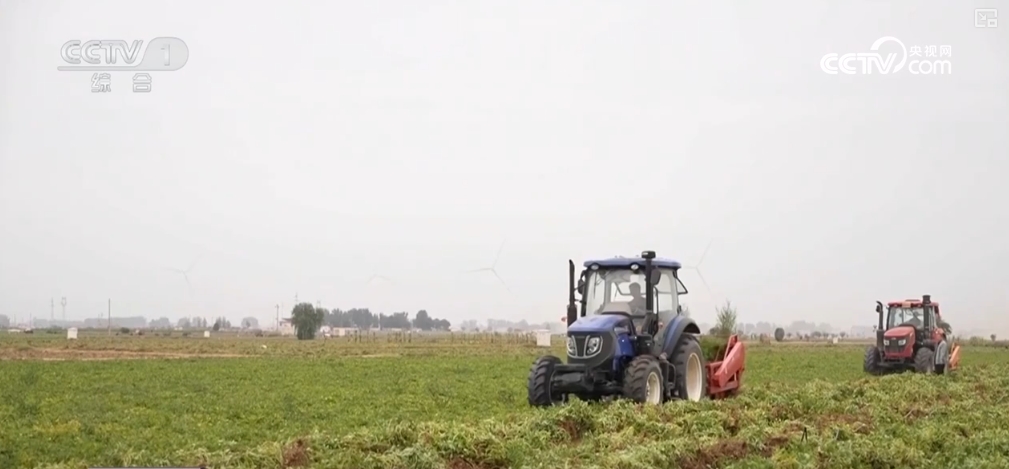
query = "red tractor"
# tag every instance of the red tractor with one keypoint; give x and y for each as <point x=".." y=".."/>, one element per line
<point x="906" y="338"/>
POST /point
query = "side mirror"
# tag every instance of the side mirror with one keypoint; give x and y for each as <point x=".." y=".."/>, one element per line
<point x="656" y="276"/>
<point x="580" y="288"/>
<point x="679" y="309"/>
<point x="879" y="307"/>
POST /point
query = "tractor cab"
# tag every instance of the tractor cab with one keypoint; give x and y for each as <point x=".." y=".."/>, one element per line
<point x="906" y="323"/>
<point x="619" y="286"/>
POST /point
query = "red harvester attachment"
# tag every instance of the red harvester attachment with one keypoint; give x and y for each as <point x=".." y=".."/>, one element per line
<point x="725" y="375"/>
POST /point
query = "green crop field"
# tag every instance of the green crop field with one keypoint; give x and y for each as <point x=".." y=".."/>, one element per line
<point x="460" y="403"/>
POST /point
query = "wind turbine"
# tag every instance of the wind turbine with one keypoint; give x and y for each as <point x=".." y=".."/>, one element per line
<point x="185" y="276"/>
<point x="492" y="268"/>
<point x="378" y="277"/>
<point x="697" y="268"/>
<point x="189" y="286"/>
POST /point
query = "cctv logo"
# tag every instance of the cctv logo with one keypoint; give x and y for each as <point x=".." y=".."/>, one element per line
<point x="163" y="54"/>
<point x="864" y="62"/>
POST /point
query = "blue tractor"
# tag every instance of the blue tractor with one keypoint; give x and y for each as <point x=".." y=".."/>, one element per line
<point x="626" y="338"/>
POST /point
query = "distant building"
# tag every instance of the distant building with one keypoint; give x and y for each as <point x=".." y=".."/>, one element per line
<point x="286" y="327"/>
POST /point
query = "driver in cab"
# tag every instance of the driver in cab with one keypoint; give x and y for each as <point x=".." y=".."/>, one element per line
<point x="637" y="300"/>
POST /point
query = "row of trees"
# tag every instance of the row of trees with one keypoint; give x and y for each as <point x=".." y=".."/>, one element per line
<point x="363" y="318"/>
<point x="307" y="320"/>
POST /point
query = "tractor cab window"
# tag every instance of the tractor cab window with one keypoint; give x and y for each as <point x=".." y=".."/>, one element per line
<point x="912" y="315"/>
<point x="605" y="287"/>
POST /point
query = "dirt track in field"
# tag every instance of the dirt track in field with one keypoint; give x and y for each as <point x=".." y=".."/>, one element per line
<point x="97" y="355"/>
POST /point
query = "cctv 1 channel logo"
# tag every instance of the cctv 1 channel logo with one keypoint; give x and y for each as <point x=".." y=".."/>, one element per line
<point x="163" y="54"/>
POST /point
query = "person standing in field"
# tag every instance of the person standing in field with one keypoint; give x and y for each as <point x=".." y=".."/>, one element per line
<point x="941" y="355"/>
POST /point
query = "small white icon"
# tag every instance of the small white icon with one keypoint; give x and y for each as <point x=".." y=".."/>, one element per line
<point x="101" y="83"/>
<point x="142" y="83"/>
<point x="986" y="18"/>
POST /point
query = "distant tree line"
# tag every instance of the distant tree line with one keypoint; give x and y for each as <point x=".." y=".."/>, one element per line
<point x="363" y="318"/>
<point x="501" y="325"/>
<point x="307" y="320"/>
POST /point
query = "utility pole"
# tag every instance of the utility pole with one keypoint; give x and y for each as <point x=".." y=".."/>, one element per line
<point x="52" y="310"/>
<point x="63" y="302"/>
<point x="110" y="317"/>
<point x="278" y="316"/>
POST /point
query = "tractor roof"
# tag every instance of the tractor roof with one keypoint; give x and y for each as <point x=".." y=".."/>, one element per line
<point x="625" y="262"/>
<point x="911" y="303"/>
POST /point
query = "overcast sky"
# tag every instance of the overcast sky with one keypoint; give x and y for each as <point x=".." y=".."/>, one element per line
<point x="307" y="146"/>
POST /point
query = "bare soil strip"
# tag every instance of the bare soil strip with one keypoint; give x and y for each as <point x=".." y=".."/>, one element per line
<point x="95" y="355"/>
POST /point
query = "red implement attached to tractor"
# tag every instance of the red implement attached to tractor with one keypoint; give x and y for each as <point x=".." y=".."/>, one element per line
<point x="725" y="375"/>
<point x="908" y="337"/>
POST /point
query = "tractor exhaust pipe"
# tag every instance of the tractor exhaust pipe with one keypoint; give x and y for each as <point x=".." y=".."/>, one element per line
<point x="649" y="293"/>
<point x="572" y="309"/>
<point x="879" y="329"/>
<point x="926" y="303"/>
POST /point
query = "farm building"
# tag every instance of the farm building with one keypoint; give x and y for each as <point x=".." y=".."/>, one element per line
<point x="342" y="331"/>
<point x="286" y="327"/>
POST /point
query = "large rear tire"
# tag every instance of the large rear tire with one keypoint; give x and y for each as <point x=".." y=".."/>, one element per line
<point x="871" y="364"/>
<point x="541" y="393"/>
<point x="691" y="381"/>
<point x="924" y="361"/>
<point x="643" y="381"/>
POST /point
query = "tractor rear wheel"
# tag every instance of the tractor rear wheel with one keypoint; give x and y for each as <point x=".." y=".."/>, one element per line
<point x="871" y="364"/>
<point x="691" y="381"/>
<point x="541" y="377"/>
<point x="924" y="361"/>
<point x="643" y="381"/>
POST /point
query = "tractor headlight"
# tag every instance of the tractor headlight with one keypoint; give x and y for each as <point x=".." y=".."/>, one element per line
<point x="593" y="345"/>
<point x="901" y="342"/>
<point x="571" y="347"/>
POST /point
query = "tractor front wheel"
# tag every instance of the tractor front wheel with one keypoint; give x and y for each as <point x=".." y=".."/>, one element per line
<point x="691" y="369"/>
<point x="871" y="364"/>
<point x="541" y="382"/>
<point x="643" y="381"/>
<point x="924" y="361"/>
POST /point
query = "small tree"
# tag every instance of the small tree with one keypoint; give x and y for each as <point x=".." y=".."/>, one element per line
<point x="306" y="321"/>
<point x="726" y="320"/>
<point x="779" y="334"/>
<point x="993" y="337"/>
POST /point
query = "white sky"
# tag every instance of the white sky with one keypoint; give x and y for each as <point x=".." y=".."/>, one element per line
<point x="309" y="145"/>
